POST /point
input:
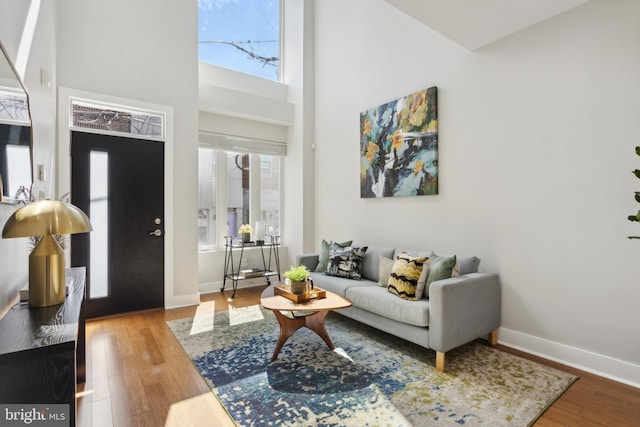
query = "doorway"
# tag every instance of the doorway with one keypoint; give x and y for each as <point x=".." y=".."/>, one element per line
<point x="119" y="182"/>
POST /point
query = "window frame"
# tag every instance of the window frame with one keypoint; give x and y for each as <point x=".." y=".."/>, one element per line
<point x="281" y="34"/>
<point x="221" y="206"/>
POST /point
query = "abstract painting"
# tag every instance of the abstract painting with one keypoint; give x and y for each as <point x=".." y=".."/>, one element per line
<point x="399" y="147"/>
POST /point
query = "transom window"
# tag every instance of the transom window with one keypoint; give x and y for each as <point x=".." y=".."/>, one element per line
<point x="13" y="106"/>
<point x="116" y="119"/>
<point x="242" y="35"/>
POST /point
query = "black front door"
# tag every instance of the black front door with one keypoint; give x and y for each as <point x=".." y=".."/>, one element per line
<point x="119" y="183"/>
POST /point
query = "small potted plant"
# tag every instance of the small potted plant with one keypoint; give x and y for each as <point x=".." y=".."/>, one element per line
<point x="298" y="276"/>
<point x="245" y="231"/>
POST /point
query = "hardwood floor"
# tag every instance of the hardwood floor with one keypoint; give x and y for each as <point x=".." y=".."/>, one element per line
<point x="138" y="375"/>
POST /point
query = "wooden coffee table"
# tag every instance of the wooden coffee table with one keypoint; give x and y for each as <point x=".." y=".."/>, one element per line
<point x="292" y="316"/>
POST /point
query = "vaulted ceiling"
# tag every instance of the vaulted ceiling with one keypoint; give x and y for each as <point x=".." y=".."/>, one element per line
<point x="473" y="24"/>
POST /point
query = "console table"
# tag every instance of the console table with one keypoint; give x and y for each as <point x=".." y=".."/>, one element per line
<point x="42" y="350"/>
<point x="235" y="275"/>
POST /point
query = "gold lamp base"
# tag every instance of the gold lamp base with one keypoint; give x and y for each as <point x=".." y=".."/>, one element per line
<point x="46" y="273"/>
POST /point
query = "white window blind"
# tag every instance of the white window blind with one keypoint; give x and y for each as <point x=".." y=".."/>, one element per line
<point x="240" y="144"/>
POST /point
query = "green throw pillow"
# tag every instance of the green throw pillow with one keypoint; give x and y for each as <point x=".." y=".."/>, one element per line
<point x="403" y="280"/>
<point x="440" y="268"/>
<point x="323" y="260"/>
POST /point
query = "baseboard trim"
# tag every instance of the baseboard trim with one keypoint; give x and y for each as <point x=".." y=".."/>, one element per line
<point x="177" y="301"/>
<point x="598" y="364"/>
<point x="209" y="287"/>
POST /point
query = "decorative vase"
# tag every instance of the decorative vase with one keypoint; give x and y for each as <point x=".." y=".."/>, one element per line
<point x="298" y="288"/>
<point x="246" y="237"/>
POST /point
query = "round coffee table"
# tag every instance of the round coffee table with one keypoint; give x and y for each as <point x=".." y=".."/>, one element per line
<point x="293" y="316"/>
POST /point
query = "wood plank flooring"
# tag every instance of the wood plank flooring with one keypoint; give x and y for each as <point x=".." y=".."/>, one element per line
<point x="138" y="375"/>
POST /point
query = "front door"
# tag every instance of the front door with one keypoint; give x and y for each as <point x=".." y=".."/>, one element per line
<point x="119" y="183"/>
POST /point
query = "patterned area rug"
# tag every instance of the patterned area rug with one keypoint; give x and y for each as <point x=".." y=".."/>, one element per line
<point x="371" y="379"/>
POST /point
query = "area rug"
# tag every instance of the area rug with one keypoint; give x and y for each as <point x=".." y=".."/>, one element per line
<point x="370" y="379"/>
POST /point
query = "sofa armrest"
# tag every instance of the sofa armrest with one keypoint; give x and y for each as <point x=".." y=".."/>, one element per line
<point x="462" y="309"/>
<point x="308" y="260"/>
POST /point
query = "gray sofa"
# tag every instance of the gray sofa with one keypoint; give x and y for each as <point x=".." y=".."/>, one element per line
<point x="458" y="310"/>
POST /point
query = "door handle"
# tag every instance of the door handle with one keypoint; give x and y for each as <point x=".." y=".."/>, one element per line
<point x="156" y="233"/>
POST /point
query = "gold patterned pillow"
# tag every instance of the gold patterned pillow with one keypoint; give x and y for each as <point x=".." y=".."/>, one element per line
<point x="405" y="274"/>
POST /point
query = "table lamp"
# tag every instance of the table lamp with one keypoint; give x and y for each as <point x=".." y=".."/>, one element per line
<point x="46" y="218"/>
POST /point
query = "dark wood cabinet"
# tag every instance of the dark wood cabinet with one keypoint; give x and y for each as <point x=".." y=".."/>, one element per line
<point x="42" y="350"/>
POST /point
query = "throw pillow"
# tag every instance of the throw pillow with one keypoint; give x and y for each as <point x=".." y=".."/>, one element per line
<point x="440" y="267"/>
<point x="384" y="271"/>
<point x="346" y="261"/>
<point x="422" y="281"/>
<point x="323" y="259"/>
<point x="456" y="269"/>
<point x="403" y="280"/>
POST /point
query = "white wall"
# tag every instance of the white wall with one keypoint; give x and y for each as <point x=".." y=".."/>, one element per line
<point x="144" y="52"/>
<point x="537" y="137"/>
<point x="42" y="97"/>
<point x="299" y="166"/>
<point x="32" y="51"/>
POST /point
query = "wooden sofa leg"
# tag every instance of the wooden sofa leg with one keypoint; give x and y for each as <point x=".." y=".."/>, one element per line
<point x="493" y="337"/>
<point x="439" y="361"/>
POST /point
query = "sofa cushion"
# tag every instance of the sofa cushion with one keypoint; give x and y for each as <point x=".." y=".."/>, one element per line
<point x="335" y="284"/>
<point x="378" y="300"/>
<point x="371" y="263"/>
<point x="384" y="271"/>
<point x="405" y="273"/>
<point x="346" y="261"/>
<point x="440" y="268"/>
<point x="323" y="257"/>
<point x="467" y="264"/>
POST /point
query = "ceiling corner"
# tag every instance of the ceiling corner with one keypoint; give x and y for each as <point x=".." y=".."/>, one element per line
<point x="473" y="24"/>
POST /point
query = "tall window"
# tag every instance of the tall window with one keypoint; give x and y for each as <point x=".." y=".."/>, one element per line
<point x="252" y="186"/>
<point x="243" y="35"/>
<point x="270" y="194"/>
<point x="206" y="196"/>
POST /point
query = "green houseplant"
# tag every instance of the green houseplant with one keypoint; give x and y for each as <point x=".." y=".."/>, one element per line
<point x="636" y="217"/>
<point x="298" y="276"/>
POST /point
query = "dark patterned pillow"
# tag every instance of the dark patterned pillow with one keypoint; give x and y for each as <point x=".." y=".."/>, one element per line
<point x="346" y="261"/>
<point x="323" y="258"/>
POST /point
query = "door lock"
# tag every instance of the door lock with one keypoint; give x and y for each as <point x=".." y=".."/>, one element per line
<point x="156" y="233"/>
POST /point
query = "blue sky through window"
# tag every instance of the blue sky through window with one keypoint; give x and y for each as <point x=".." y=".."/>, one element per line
<point x="225" y="27"/>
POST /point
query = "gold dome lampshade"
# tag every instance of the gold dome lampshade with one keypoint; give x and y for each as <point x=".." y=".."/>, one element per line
<point x="46" y="218"/>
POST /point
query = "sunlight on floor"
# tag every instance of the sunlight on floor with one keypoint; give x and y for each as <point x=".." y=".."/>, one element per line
<point x="203" y="319"/>
<point x="397" y="414"/>
<point x="241" y="315"/>
<point x="84" y="393"/>
<point x="202" y="410"/>
<point x="343" y="353"/>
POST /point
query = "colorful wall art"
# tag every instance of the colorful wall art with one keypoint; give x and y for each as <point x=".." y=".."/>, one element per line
<point x="399" y="147"/>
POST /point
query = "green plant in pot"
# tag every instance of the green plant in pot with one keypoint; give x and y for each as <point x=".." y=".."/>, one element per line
<point x="298" y="276"/>
<point x="636" y="217"/>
